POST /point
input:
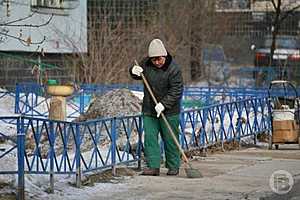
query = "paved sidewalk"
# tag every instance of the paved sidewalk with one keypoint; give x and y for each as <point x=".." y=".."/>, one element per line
<point x="243" y="174"/>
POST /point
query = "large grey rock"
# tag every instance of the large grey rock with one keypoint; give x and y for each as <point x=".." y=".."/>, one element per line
<point x="115" y="103"/>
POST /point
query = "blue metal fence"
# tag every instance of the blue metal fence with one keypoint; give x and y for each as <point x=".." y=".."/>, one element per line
<point x="31" y="98"/>
<point x="224" y="122"/>
<point x="58" y="147"/>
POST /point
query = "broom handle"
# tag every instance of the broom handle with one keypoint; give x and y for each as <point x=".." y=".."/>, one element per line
<point x="164" y="118"/>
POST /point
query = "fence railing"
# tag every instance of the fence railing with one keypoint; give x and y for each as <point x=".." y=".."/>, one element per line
<point x="31" y="99"/>
<point x="224" y="122"/>
<point x="57" y="147"/>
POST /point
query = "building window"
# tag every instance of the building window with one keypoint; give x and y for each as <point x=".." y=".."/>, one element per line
<point x="58" y="7"/>
<point x="47" y="3"/>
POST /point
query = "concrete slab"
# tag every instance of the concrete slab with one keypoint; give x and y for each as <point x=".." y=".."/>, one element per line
<point x="243" y="174"/>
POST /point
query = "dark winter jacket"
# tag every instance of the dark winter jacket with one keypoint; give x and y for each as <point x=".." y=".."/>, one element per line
<point x="166" y="84"/>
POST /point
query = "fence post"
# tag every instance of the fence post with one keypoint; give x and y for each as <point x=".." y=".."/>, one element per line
<point x="222" y="125"/>
<point x="51" y="141"/>
<point x="181" y="127"/>
<point x="20" y="150"/>
<point x="254" y="129"/>
<point x="208" y="95"/>
<point x="81" y="101"/>
<point x="205" y="114"/>
<point x="238" y="126"/>
<point x="77" y="157"/>
<point x="140" y="144"/>
<point x="269" y="120"/>
<point x="17" y="99"/>
<point x="113" y="145"/>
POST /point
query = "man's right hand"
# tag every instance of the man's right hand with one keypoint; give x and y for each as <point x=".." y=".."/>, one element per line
<point x="137" y="70"/>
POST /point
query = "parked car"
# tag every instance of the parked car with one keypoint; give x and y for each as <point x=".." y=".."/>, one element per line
<point x="286" y="59"/>
<point x="287" y="52"/>
<point x="215" y="64"/>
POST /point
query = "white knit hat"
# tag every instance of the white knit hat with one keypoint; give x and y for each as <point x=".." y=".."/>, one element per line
<point x="157" y="48"/>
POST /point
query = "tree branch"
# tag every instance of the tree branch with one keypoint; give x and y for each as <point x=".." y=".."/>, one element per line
<point x="26" y="25"/>
<point x="23" y="41"/>
<point x="274" y="4"/>
<point x="28" y="41"/>
<point x="289" y="12"/>
<point x="18" y="20"/>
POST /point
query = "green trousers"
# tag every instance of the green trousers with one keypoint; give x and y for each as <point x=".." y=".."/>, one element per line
<point x="152" y="127"/>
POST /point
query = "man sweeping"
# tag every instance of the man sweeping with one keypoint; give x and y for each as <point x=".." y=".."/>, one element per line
<point x="165" y="78"/>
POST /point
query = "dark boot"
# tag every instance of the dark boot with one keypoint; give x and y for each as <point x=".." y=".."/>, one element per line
<point x="150" y="172"/>
<point x="173" y="172"/>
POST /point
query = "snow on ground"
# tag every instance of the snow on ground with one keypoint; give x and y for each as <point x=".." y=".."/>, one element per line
<point x="139" y="94"/>
<point x="39" y="184"/>
<point x="64" y="191"/>
<point x="7" y="105"/>
<point x="36" y="186"/>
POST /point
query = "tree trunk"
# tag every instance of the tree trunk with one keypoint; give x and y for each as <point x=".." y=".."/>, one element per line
<point x="275" y="30"/>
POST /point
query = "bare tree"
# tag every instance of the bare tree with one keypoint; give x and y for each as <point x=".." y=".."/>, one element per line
<point x="113" y="46"/>
<point x="109" y="55"/>
<point x="282" y="11"/>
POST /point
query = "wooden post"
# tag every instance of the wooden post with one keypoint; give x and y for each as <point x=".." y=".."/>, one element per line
<point x="57" y="108"/>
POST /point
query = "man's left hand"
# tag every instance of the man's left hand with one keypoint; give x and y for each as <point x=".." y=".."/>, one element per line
<point x="159" y="108"/>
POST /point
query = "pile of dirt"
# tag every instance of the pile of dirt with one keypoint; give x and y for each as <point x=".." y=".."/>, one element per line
<point x="8" y="196"/>
<point x="7" y="191"/>
<point x="215" y="148"/>
<point x="263" y="137"/>
<point x="115" y="103"/>
<point x="106" y="176"/>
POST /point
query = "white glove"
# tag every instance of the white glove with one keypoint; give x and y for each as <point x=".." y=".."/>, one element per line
<point x="137" y="70"/>
<point x="159" y="108"/>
